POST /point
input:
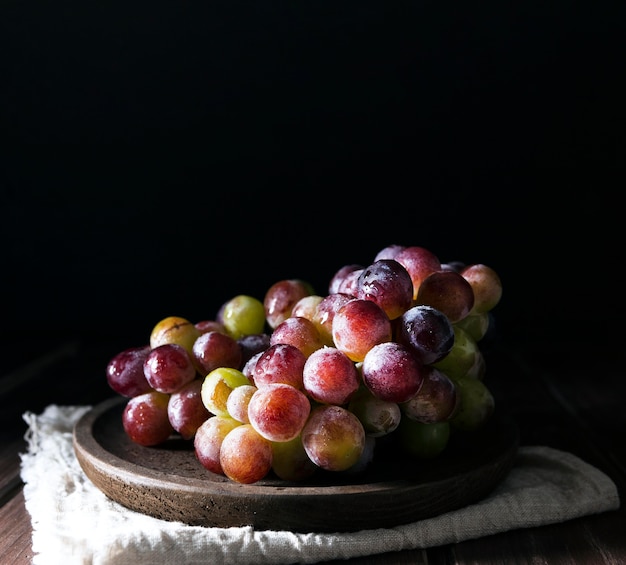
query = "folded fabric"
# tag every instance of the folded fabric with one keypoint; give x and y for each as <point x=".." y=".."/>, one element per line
<point x="75" y="523"/>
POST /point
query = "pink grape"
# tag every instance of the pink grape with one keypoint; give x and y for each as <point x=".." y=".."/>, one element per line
<point x="333" y="437"/>
<point x="325" y="312"/>
<point x="306" y="306"/>
<point x="347" y="273"/>
<point x="300" y="332"/>
<point x="419" y="262"/>
<point x="245" y="455"/>
<point x="392" y="372"/>
<point x="389" y="252"/>
<point x="359" y="325"/>
<point x="349" y="283"/>
<point x="169" y="367"/>
<point x="281" y="297"/>
<point x="278" y="411"/>
<point x="208" y="440"/>
<point x="145" y="419"/>
<point x="250" y="364"/>
<point x="486" y="285"/>
<point x="238" y="401"/>
<point x="330" y="376"/>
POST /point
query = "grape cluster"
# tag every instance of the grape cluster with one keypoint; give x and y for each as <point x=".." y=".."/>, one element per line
<point x="299" y="381"/>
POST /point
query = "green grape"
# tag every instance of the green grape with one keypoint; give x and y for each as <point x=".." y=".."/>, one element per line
<point x="243" y="315"/>
<point x="476" y="405"/>
<point x="423" y="441"/>
<point x="290" y="461"/>
<point x="217" y="386"/>
<point x="476" y="325"/>
<point x="461" y="358"/>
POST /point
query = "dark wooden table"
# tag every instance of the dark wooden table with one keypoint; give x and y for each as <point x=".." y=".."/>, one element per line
<point x="569" y="395"/>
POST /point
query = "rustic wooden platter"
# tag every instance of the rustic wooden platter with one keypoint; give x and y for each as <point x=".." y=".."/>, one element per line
<point x="168" y="482"/>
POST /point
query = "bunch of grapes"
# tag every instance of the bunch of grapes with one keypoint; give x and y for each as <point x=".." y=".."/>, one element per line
<point x="299" y="381"/>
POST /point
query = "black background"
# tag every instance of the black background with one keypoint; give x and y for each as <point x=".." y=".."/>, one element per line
<point x="162" y="157"/>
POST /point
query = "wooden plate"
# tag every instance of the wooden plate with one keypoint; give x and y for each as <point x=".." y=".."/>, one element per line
<point x="168" y="482"/>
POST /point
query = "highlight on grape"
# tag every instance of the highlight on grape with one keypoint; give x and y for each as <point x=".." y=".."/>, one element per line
<point x="295" y="382"/>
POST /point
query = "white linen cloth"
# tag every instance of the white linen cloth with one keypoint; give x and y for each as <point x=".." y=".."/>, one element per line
<point x="74" y="523"/>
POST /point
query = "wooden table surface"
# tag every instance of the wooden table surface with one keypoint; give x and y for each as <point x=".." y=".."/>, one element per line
<point x="559" y="394"/>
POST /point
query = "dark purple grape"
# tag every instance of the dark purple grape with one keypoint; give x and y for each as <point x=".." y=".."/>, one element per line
<point x="426" y="331"/>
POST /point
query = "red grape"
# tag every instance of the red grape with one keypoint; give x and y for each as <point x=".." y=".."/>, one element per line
<point x="448" y="292"/>
<point x="185" y="409"/>
<point x="125" y="372"/>
<point x="280" y="363"/>
<point x="330" y="376"/>
<point x="215" y="349"/>
<point x="419" y="262"/>
<point x="169" y="367"/>
<point x="145" y="419"/>
<point x="392" y="372"/>
<point x="387" y="283"/>
<point x="436" y="400"/>
<point x="359" y="325"/>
